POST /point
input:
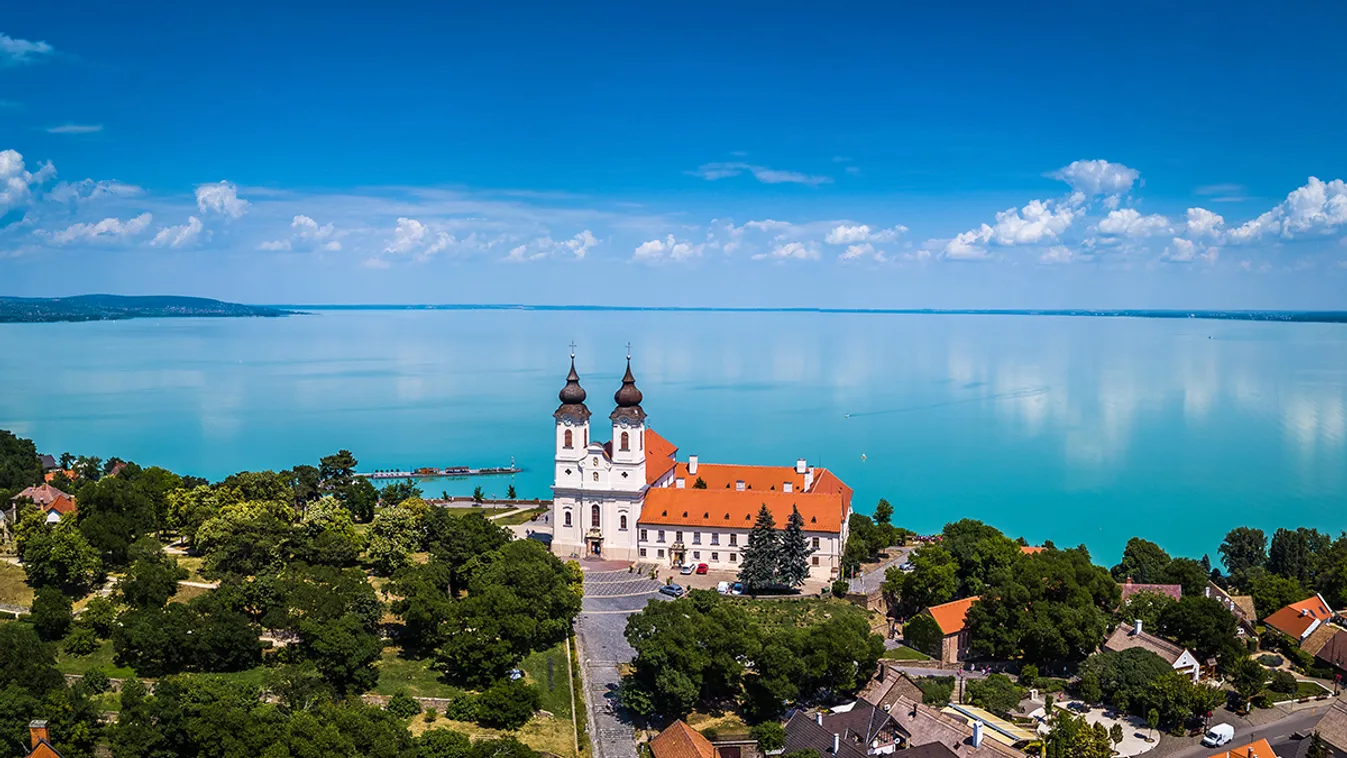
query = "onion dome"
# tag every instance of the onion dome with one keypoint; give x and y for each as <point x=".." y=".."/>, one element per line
<point x="628" y="399"/>
<point x="572" y="398"/>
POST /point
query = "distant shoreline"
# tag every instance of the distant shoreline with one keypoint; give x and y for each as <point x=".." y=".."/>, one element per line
<point x="1313" y="317"/>
<point x="47" y="310"/>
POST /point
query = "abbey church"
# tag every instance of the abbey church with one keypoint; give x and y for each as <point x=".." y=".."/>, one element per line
<point x="632" y="499"/>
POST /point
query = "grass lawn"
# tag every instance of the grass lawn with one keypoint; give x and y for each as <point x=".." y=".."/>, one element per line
<point x="723" y="724"/>
<point x="904" y="653"/>
<point x="101" y="658"/>
<point x="523" y="517"/>
<point x="13" y="588"/>
<point x="1308" y="689"/>
<point x="416" y="678"/>
<point x="253" y="677"/>
<point x="552" y="679"/>
<point x="800" y="611"/>
<point x="193" y="565"/>
<point x="185" y="594"/>
<point x="552" y="735"/>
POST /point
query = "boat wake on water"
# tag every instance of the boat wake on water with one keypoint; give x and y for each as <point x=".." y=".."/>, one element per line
<point x="1018" y="394"/>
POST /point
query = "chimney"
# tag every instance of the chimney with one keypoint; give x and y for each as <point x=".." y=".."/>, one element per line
<point x="739" y="485"/>
<point x="678" y="483"/>
<point x="818" y="717"/>
<point x="837" y="742"/>
<point x="788" y="487"/>
<point x="977" y="734"/>
<point x="808" y="480"/>
<point x="1136" y="627"/>
<point x="692" y="465"/>
<point x="1206" y="592"/>
<point x="38" y="731"/>
<point x="801" y="466"/>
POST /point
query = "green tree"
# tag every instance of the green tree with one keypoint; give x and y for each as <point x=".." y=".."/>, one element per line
<point x="247" y="538"/>
<point x="1186" y="573"/>
<point x="979" y="552"/>
<point x="1143" y="562"/>
<point x="996" y="693"/>
<point x="337" y="471"/>
<point x="151" y="580"/>
<point x="1271" y="592"/>
<point x="327" y="535"/>
<point x="423" y="604"/>
<point x="1089" y="689"/>
<point x="99" y="614"/>
<point x="700" y="484"/>
<point x="1153" y="719"/>
<point x="508" y="704"/>
<point x="883" y="512"/>
<point x="1072" y="736"/>
<point x="793" y="567"/>
<point x="762" y="555"/>
<point x="51" y="613"/>
<point x="933" y="579"/>
<point x="396" y="492"/>
<point x="443" y="743"/>
<point x="343" y="651"/>
<point x="1115" y="734"/>
<point x="1203" y="625"/>
<point x="770" y="735"/>
<point x="395" y="534"/>
<point x="921" y="632"/>
<point x="1295" y="555"/>
<point x="1146" y="607"/>
<point x="1121" y="678"/>
<point x="1318" y="748"/>
<point x="510" y="493"/>
<point x="477" y="495"/>
<point x="114" y="513"/>
<point x="1028" y="675"/>
<point x="360" y="498"/>
<point x="458" y="540"/>
<point x="19" y="465"/>
<point x="59" y="556"/>
<point x="1332" y="578"/>
<point x="1249" y="679"/>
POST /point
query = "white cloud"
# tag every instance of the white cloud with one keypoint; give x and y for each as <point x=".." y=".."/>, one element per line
<point x="1038" y="222"/>
<point x="14" y="50"/>
<point x="107" y="229"/>
<point x="75" y="129"/>
<point x="862" y="251"/>
<point x="667" y="249"/>
<point x="543" y="247"/>
<point x="768" y="225"/>
<point x="1058" y="254"/>
<point x="88" y="189"/>
<point x="1316" y="207"/>
<point x="413" y="238"/>
<point x="179" y="236"/>
<point x="791" y="251"/>
<point x="1202" y="222"/>
<point x="1128" y="222"/>
<point x="306" y="234"/>
<point x="222" y="198"/>
<point x="844" y="234"/>
<point x="1183" y="250"/>
<point x="725" y="170"/>
<point x="1097" y="177"/>
<point x="16" y="182"/>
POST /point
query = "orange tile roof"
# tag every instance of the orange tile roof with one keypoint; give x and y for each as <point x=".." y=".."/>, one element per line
<point x="1295" y="619"/>
<point x="1259" y="749"/>
<point x="1031" y="549"/>
<point x="727" y="475"/>
<point x="669" y="506"/>
<point x="659" y="456"/>
<point x="681" y="741"/>
<point x="952" y="616"/>
<point x="63" y="505"/>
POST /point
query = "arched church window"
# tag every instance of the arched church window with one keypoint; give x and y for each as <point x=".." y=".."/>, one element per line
<point x="568" y="518"/>
<point x="622" y="523"/>
<point x="568" y="439"/>
<point x="594" y="517"/>
<point x="626" y="441"/>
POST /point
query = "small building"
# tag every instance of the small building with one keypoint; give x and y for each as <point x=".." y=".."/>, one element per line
<point x="41" y="744"/>
<point x="889" y="684"/>
<point x="1299" y="620"/>
<point x="48" y="462"/>
<point x="1130" y="588"/>
<point x="1179" y="658"/>
<point x="1332" y="728"/>
<point x="1328" y="644"/>
<point x="952" y="618"/>
<point x="54" y="503"/>
<point x="921" y="725"/>
<point x="806" y="732"/>
<point x="1240" y="606"/>
<point x="1259" y="749"/>
<point x="681" y="741"/>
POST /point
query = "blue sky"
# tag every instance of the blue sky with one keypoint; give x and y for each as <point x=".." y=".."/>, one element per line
<point x="803" y="154"/>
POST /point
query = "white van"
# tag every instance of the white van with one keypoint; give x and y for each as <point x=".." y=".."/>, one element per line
<point x="723" y="588"/>
<point x="1218" y="735"/>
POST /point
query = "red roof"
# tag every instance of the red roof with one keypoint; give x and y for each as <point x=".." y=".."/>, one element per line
<point x="1259" y="749"/>
<point x="669" y="506"/>
<point x="1031" y="549"/>
<point x="1171" y="590"/>
<point x="659" y="456"/>
<point x="681" y="741"/>
<point x="1295" y="619"/>
<point x="952" y="617"/>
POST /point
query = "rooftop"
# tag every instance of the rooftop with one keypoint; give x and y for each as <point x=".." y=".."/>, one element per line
<point x="1129" y="589"/>
<point x="924" y="725"/>
<point x="1297" y="619"/>
<point x="681" y="741"/>
<point x="1259" y="749"/>
<point x="1332" y="728"/>
<point x="1126" y="636"/>
<point x="952" y="616"/>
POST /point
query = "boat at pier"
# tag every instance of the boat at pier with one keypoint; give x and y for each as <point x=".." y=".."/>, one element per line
<point x="430" y="472"/>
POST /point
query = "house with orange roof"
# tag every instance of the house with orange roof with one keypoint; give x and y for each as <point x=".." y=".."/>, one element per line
<point x="41" y="746"/>
<point x="54" y="503"/>
<point x="952" y="618"/>
<point x="1299" y="620"/>
<point x="681" y="741"/>
<point x="632" y="499"/>
<point x="1259" y="749"/>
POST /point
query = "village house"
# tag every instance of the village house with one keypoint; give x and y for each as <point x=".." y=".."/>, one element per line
<point x="631" y="499"/>
<point x="41" y="746"/>
<point x="952" y="618"/>
<point x="54" y="504"/>
<point x="889" y="684"/>
<point x="906" y="728"/>
<point x="1129" y="588"/>
<point x="1299" y="620"/>
<point x="1259" y="749"/>
<point x="1328" y="644"/>
<point x="1332" y="728"/>
<point x="1240" y="606"/>
<point x="1130" y="636"/>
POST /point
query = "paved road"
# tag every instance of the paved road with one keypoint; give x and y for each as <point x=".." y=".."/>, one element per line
<point x="871" y="580"/>
<point x="1277" y="733"/>
<point x="610" y="597"/>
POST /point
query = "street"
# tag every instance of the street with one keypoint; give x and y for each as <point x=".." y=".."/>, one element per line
<point x="1278" y="733"/>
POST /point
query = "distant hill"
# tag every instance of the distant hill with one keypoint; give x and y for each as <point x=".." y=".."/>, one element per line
<point x="114" y="307"/>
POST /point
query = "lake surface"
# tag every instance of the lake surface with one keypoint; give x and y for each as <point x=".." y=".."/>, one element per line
<point x="1071" y="429"/>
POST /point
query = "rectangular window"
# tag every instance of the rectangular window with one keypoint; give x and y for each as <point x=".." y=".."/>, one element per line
<point x="678" y="536"/>
<point x="734" y="557"/>
<point x="696" y="538"/>
<point x="734" y="540"/>
<point x="715" y="557"/>
<point x="659" y="553"/>
<point x="715" y="538"/>
<point x="814" y="559"/>
<point x="816" y="543"/>
<point x="696" y="555"/>
<point x="642" y="552"/>
<point x="660" y="537"/>
<point x="644" y="536"/>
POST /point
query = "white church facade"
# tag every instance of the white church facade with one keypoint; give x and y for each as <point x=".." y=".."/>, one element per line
<point x="631" y="499"/>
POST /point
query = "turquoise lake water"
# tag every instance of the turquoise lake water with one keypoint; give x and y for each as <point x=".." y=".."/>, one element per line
<point x="1071" y="429"/>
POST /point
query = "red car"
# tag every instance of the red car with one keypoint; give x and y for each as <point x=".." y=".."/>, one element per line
<point x="702" y="568"/>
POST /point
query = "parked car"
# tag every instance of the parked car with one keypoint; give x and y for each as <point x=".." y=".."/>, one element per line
<point x="723" y="588"/>
<point x="672" y="590"/>
<point x="906" y="566"/>
<point x="702" y="568"/>
<point x="686" y="569"/>
<point x="737" y="588"/>
<point x="1219" y="735"/>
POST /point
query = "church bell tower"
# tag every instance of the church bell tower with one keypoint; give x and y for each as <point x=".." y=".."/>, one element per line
<point x="628" y="434"/>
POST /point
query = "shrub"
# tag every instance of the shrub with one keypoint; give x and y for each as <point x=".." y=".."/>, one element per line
<point x="1029" y="675"/>
<point x="461" y="708"/>
<point x="770" y="735"/>
<point x="51" y="613"/>
<point x="95" y="681"/>
<point x="840" y="588"/>
<point x="403" y="706"/>
<point x="923" y="633"/>
<point x="81" y="641"/>
<point x="1283" y="682"/>
<point x="429" y="714"/>
<point x="508" y="704"/>
<point x="936" y="690"/>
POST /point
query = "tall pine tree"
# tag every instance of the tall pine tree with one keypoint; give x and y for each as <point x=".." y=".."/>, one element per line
<point x="793" y="568"/>
<point x="762" y="554"/>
